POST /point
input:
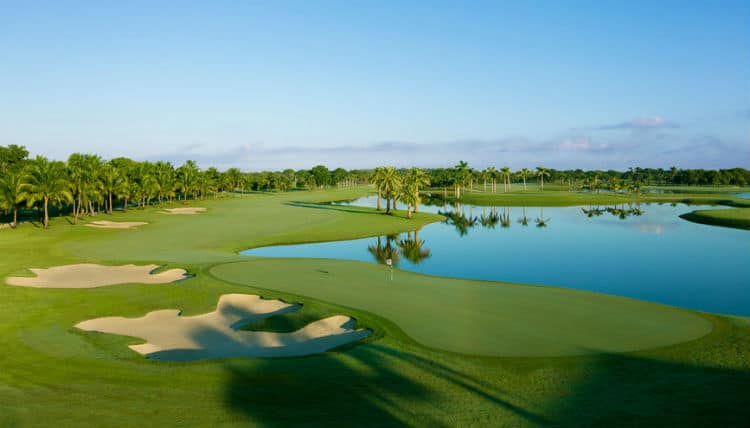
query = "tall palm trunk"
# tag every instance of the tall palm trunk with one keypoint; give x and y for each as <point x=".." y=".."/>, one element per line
<point x="76" y="210"/>
<point x="46" y="212"/>
<point x="416" y="201"/>
<point x="379" y="198"/>
<point x="524" y="182"/>
<point x="542" y="182"/>
<point x="110" y="203"/>
<point x="15" y="216"/>
<point x="387" y="204"/>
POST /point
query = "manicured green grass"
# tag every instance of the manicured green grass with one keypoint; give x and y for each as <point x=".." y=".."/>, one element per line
<point x="700" y="189"/>
<point x="536" y="197"/>
<point x="54" y="375"/>
<point x="476" y="317"/>
<point x="738" y="218"/>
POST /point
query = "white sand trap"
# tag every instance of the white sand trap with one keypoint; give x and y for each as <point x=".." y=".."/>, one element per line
<point x="105" y="224"/>
<point x="171" y="337"/>
<point x="91" y="275"/>
<point x="188" y="211"/>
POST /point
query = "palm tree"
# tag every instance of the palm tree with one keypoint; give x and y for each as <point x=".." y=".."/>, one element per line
<point x="505" y="172"/>
<point x="377" y="179"/>
<point x="186" y="176"/>
<point x="635" y="187"/>
<point x="408" y="194"/>
<point x="46" y="182"/>
<point x="461" y="174"/>
<point x="492" y="173"/>
<point x="164" y="174"/>
<point x="615" y="185"/>
<point x="111" y="183"/>
<point x="11" y="192"/>
<point x="417" y="178"/>
<point x="525" y="172"/>
<point x="390" y="186"/>
<point x="234" y="179"/>
<point x="82" y="171"/>
<point x="542" y="172"/>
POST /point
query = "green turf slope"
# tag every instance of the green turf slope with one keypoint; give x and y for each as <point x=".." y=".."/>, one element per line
<point x="477" y="317"/>
<point x="738" y="218"/>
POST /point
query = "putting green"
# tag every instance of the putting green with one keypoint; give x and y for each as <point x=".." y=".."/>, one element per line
<point x="477" y="317"/>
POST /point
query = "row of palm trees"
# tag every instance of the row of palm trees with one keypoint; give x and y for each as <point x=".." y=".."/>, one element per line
<point x="394" y="186"/>
<point x="86" y="184"/>
<point x="463" y="176"/>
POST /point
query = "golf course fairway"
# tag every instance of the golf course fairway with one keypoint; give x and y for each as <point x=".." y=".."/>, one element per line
<point x="443" y="352"/>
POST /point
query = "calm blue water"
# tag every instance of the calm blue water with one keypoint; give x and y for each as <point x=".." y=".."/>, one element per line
<point x="653" y="256"/>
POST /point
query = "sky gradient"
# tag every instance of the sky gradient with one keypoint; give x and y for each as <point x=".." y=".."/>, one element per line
<point x="269" y="85"/>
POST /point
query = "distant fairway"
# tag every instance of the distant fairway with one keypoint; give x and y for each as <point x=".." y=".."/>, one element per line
<point x="475" y="317"/>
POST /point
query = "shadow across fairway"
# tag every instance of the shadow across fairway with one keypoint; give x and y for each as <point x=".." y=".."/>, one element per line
<point x="369" y="385"/>
<point x="327" y="206"/>
<point x="611" y="390"/>
<point x="375" y="385"/>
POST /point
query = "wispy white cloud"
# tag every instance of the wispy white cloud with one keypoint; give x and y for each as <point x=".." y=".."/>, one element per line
<point x="643" y="123"/>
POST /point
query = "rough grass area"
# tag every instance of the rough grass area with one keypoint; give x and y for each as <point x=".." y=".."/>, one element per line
<point x="52" y="374"/>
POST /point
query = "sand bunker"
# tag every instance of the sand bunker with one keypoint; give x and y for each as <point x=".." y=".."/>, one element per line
<point x="195" y="210"/>
<point x="171" y="337"/>
<point x="91" y="275"/>
<point x="105" y="224"/>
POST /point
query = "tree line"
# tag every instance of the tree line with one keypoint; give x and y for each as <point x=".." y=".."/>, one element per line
<point x="86" y="184"/>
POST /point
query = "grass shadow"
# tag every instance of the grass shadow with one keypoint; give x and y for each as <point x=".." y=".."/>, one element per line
<point x="342" y="208"/>
<point x="625" y="390"/>
<point x="369" y="385"/>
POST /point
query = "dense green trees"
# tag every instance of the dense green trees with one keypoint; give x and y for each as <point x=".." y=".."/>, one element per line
<point x="85" y="184"/>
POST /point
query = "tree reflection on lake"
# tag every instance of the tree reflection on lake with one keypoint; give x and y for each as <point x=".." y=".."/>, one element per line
<point x="619" y="211"/>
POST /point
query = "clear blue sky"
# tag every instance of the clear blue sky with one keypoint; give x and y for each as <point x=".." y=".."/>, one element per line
<point x="605" y="84"/>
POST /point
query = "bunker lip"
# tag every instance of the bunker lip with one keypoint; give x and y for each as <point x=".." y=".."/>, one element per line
<point x="106" y="224"/>
<point x="171" y="337"/>
<point x="183" y="211"/>
<point x="87" y="275"/>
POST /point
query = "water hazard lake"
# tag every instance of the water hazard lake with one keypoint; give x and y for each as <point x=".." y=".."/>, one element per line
<point x="641" y="251"/>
